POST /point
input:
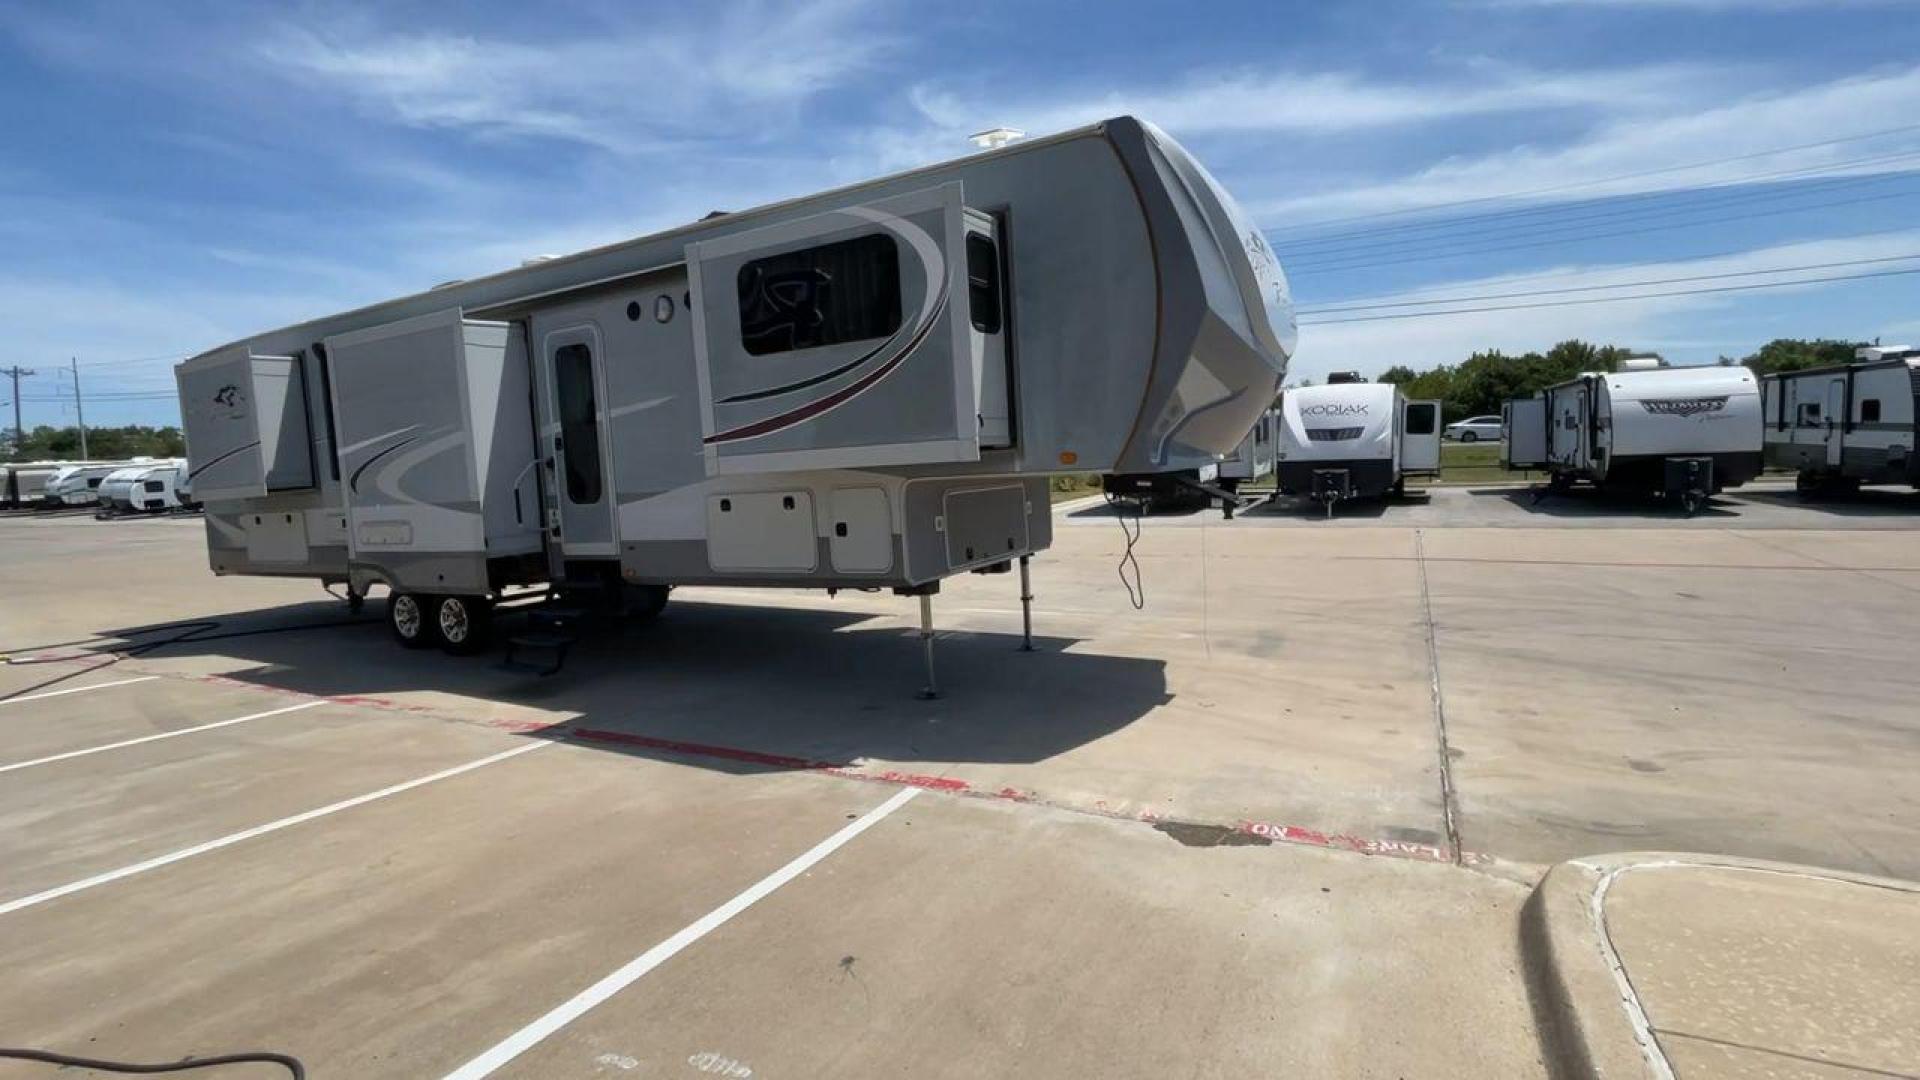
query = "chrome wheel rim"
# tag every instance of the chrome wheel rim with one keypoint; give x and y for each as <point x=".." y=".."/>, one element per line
<point x="406" y="616"/>
<point x="453" y="620"/>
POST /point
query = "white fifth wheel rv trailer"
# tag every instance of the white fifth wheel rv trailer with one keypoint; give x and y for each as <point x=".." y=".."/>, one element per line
<point x="863" y="388"/>
<point x="1249" y="461"/>
<point x="79" y="485"/>
<point x="1842" y="426"/>
<point x="1353" y="439"/>
<point x="1684" y="433"/>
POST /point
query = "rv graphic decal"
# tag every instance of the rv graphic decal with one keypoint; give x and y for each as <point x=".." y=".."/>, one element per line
<point x="1685" y="406"/>
<point x="1333" y="409"/>
<point x="933" y="304"/>
<point x="228" y="395"/>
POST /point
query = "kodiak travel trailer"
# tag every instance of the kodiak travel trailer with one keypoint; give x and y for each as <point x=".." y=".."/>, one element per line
<point x="1684" y="433"/>
<point x="1353" y="439"/>
<point x="1842" y="426"/>
<point x="1248" y="462"/>
<point x="866" y="388"/>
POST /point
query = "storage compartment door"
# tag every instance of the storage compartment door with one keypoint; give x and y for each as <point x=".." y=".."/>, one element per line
<point x="246" y="424"/>
<point x="839" y="340"/>
<point x="1420" y="436"/>
<point x="1523" y="432"/>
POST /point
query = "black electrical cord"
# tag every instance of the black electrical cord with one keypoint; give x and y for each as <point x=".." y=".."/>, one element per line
<point x="251" y="1057"/>
<point x="1137" y="586"/>
<point x="193" y="632"/>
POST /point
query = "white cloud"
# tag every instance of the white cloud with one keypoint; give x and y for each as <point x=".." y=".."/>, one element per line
<point x="1678" y="324"/>
<point x="1644" y="144"/>
<point x="1292" y="103"/>
<point x="649" y="85"/>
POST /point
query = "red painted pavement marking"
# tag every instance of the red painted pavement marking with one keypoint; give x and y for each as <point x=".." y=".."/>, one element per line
<point x="1277" y="831"/>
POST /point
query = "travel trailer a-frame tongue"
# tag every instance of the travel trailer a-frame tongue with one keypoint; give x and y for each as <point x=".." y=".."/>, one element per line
<point x="863" y="388"/>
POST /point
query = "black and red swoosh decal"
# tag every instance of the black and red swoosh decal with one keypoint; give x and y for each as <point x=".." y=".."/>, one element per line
<point x="839" y="397"/>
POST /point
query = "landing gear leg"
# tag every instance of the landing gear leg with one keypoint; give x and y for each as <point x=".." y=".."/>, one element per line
<point x="932" y="689"/>
<point x="355" y="600"/>
<point x="1026" y="608"/>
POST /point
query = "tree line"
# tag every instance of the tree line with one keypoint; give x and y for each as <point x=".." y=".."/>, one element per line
<point x="103" y="443"/>
<point x="1482" y="383"/>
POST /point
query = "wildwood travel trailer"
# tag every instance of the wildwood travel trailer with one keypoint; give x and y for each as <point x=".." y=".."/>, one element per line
<point x="862" y="388"/>
<point x="1681" y="432"/>
<point x="1352" y="439"/>
<point x="1843" y="426"/>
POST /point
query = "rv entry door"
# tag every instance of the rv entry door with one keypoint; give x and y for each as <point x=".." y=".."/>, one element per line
<point x="1420" y="437"/>
<point x="573" y="444"/>
<point x="1836" y="420"/>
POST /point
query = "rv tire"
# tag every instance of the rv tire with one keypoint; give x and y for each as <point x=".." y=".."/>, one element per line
<point x="463" y="623"/>
<point x="411" y="620"/>
<point x="645" y="602"/>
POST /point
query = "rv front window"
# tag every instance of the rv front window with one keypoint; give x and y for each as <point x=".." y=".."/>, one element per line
<point x="579" y="421"/>
<point x="1870" y="411"/>
<point x="154" y="486"/>
<point x="831" y="294"/>
<point x="983" y="283"/>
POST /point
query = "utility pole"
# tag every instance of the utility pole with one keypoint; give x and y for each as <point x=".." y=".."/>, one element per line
<point x="19" y="433"/>
<point x="79" y="414"/>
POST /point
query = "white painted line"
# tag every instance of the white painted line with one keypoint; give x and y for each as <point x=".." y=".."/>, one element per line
<point x="76" y="690"/>
<point x="155" y="738"/>
<point x="258" y="830"/>
<point x="523" y="1040"/>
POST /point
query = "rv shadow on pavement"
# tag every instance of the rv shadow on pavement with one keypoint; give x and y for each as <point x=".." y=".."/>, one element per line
<point x="1867" y="502"/>
<point x="813" y="686"/>
<point x="1302" y="506"/>
<point x="1584" y="502"/>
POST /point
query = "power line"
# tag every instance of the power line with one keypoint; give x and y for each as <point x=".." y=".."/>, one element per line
<point x="1618" y="285"/>
<point x="1365" y="265"/>
<point x="1612" y="179"/>
<point x="1617" y="299"/>
<point x="1610" y="207"/>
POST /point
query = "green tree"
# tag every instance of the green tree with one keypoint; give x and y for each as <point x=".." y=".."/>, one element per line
<point x="1794" y="354"/>
<point x="1398" y="375"/>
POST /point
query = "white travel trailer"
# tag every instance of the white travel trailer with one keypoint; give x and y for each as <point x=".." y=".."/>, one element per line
<point x="863" y="388"/>
<point x="1253" y="459"/>
<point x="159" y="489"/>
<point x="1250" y="460"/>
<point x="79" y="485"/>
<point x="1681" y="432"/>
<point x="1352" y="439"/>
<point x="148" y="487"/>
<point x="26" y="484"/>
<point x="116" y="491"/>
<point x="1843" y="426"/>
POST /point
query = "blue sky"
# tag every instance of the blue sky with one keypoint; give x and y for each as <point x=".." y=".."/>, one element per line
<point x="175" y="176"/>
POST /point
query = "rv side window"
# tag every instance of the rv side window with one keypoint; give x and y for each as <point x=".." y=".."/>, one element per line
<point x="1420" y="419"/>
<point x="826" y="295"/>
<point x="1809" y="414"/>
<point x="983" y="283"/>
<point x="154" y="486"/>
<point x="1870" y="410"/>
<point x="579" y="421"/>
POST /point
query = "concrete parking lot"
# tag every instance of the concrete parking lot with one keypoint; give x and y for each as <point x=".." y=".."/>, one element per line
<point x="1213" y="837"/>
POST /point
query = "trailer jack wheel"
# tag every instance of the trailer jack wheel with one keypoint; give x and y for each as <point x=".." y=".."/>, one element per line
<point x="464" y="623"/>
<point x="412" y="625"/>
<point x="1691" y="502"/>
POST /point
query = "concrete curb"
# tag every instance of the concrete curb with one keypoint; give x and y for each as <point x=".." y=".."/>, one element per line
<point x="1587" y="1024"/>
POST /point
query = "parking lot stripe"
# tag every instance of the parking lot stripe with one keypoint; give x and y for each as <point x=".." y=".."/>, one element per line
<point x="527" y="1037"/>
<point x="51" y="758"/>
<point x="75" y="690"/>
<point x="230" y="839"/>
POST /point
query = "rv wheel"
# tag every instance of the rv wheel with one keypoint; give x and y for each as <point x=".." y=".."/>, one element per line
<point x="463" y="622"/>
<point x="644" y="602"/>
<point x="407" y="618"/>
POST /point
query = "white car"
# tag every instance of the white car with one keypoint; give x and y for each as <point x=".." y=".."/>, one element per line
<point x="1474" y="429"/>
